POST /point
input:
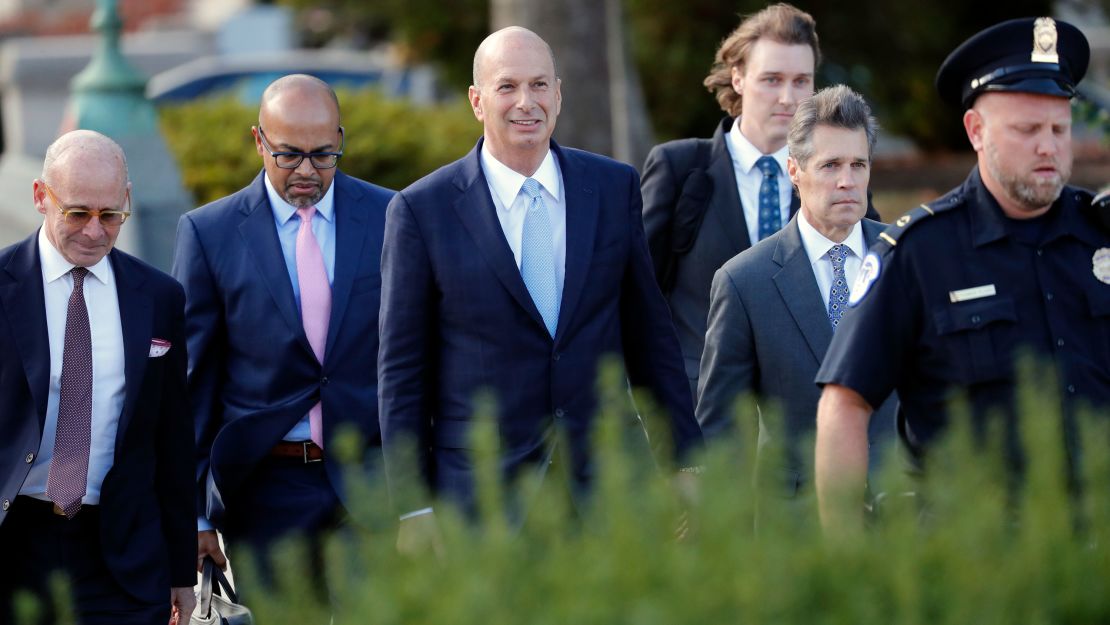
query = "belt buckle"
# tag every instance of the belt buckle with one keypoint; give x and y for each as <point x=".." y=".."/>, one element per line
<point x="304" y="452"/>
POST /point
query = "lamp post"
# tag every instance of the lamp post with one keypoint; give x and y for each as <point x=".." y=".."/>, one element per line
<point x="109" y="96"/>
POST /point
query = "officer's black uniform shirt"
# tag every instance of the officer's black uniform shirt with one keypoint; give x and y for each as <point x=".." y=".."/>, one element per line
<point x="907" y="333"/>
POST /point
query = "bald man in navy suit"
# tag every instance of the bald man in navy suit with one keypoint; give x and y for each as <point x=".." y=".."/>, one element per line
<point x="96" y="447"/>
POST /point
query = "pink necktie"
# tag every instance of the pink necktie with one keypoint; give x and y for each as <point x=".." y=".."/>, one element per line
<point x="315" y="303"/>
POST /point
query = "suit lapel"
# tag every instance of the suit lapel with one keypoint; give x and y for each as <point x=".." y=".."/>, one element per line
<point x="871" y="230"/>
<point x="136" y="312"/>
<point x="479" y="216"/>
<point x="25" y="307"/>
<point x="725" y="203"/>
<point x="798" y="287"/>
<point x="260" y="238"/>
<point x="351" y="226"/>
<point x="583" y="207"/>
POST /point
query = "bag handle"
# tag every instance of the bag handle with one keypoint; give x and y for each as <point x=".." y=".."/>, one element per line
<point x="212" y="579"/>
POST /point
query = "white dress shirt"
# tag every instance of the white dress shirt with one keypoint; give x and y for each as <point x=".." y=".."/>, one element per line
<point x="505" y="187"/>
<point x="108" y="385"/>
<point x="749" y="178"/>
<point x="817" y="248"/>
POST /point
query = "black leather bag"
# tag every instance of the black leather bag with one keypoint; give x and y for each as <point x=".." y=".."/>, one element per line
<point x="217" y="603"/>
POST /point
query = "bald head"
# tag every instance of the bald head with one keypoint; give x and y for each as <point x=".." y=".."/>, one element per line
<point x="80" y="150"/>
<point x="295" y="90"/>
<point x="298" y="114"/>
<point x="512" y="35"/>
<point x="84" y="175"/>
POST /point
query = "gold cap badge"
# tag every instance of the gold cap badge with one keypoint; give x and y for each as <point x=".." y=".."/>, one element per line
<point x="1044" y="41"/>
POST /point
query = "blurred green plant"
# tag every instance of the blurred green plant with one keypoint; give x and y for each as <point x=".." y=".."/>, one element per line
<point x="389" y="142"/>
<point x="968" y="547"/>
<point x="976" y="551"/>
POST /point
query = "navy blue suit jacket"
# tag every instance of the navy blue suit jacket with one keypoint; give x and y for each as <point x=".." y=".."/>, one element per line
<point x="252" y="372"/>
<point x="457" y="318"/>
<point x="148" y="519"/>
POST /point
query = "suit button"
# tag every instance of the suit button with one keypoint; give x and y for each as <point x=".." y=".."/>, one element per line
<point x="324" y="381"/>
<point x="7" y="504"/>
<point x="556" y="356"/>
<point x="559" y="413"/>
<point x="30" y="458"/>
<point x="975" y="319"/>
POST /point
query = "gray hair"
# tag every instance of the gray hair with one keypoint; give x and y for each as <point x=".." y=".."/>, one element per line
<point x="836" y="106"/>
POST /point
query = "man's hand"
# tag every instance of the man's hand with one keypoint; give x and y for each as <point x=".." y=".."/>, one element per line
<point x="420" y="534"/>
<point x="182" y="603"/>
<point x="208" y="544"/>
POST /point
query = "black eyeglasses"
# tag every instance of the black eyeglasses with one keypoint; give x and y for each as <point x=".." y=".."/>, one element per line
<point x="292" y="160"/>
<point x="109" y="217"/>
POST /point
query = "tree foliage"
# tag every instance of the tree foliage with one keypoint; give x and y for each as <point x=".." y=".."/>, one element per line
<point x="889" y="51"/>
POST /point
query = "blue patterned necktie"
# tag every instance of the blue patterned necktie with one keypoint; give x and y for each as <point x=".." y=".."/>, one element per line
<point x="537" y="257"/>
<point x="770" y="213"/>
<point x="838" y="292"/>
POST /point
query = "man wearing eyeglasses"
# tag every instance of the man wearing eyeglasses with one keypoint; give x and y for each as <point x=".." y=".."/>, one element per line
<point x="96" y="457"/>
<point x="282" y="285"/>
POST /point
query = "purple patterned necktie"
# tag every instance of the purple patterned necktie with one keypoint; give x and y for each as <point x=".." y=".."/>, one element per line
<point x="69" y="468"/>
<point x="312" y="278"/>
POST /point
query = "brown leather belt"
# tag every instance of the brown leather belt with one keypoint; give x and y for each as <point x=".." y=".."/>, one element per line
<point x="306" y="451"/>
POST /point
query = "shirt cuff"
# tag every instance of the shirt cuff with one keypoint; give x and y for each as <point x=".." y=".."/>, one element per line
<point x="204" y="525"/>
<point x="415" y="513"/>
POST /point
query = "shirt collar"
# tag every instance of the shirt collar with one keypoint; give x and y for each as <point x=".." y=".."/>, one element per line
<point x="54" y="265"/>
<point x="989" y="223"/>
<point x="284" y="211"/>
<point x="506" y="183"/>
<point x="817" y="245"/>
<point x="744" y="154"/>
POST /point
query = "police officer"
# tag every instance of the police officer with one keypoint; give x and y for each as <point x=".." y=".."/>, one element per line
<point x="1013" y="260"/>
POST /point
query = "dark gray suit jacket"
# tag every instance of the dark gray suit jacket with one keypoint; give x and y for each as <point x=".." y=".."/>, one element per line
<point x="722" y="235"/>
<point x="723" y="232"/>
<point x="768" y="333"/>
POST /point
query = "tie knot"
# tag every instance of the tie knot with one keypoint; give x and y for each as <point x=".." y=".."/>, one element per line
<point x="768" y="165"/>
<point x="531" y="188"/>
<point x="306" y="213"/>
<point x="838" y="253"/>
<point x="78" y="274"/>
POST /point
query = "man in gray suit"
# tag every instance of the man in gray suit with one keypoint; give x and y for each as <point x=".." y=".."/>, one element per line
<point x="774" y="307"/>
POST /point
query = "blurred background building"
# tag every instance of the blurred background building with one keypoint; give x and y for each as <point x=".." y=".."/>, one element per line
<point x="631" y="71"/>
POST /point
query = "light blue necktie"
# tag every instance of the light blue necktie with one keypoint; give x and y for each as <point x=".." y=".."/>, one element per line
<point x="838" y="292"/>
<point x="770" y="213"/>
<point x="537" y="257"/>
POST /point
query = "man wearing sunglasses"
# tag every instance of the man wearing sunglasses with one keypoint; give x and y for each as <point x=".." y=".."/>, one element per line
<point x="282" y="285"/>
<point x="96" y="456"/>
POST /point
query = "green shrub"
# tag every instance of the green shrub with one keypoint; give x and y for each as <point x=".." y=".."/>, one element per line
<point x="389" y="142"/>
<point x="980" y="551"/>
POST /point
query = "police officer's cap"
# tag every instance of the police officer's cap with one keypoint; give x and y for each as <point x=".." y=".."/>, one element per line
<point x="1028" y="55"/>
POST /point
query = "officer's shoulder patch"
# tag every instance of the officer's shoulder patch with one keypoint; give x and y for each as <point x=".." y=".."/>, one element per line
<point x="888" y="239"/>
<point x="867" y="275"/>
